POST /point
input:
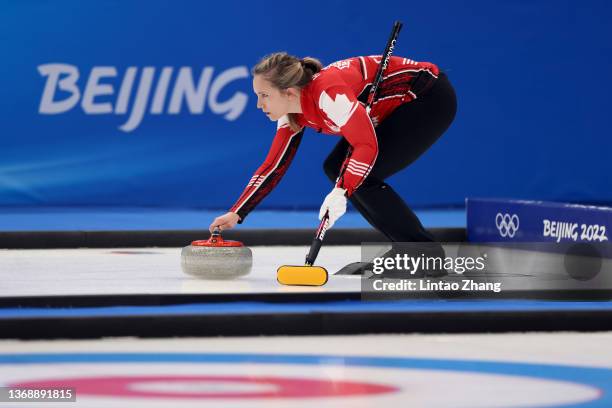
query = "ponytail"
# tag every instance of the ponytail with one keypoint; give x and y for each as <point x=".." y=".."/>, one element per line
<point x="285" y="71"/>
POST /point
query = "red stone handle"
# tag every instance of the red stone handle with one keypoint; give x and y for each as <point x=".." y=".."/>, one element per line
<point x="216" y="240"/>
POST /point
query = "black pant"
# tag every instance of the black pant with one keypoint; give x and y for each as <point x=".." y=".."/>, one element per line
<point x="402" y="138"/>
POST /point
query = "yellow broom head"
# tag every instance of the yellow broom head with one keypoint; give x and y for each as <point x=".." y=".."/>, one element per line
<point x="301" y="275"/>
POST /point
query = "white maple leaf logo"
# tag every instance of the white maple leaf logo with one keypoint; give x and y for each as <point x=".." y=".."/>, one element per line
<point x="339" y="110"/>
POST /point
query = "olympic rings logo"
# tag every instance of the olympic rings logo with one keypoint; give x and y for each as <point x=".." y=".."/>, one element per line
<point x="507" y="224"/>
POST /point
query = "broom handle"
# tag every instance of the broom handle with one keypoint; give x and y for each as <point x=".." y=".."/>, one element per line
<point x="318" y="240"/>
<point x="384" y="61"/>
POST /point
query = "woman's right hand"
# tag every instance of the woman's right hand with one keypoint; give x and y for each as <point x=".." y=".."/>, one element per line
<point x="225" y="221"/>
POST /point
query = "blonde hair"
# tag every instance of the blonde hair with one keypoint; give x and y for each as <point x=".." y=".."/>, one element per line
<point x="285" y="71"/>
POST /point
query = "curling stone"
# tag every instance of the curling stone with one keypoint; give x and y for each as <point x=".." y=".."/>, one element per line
<point x="216" y="258"/>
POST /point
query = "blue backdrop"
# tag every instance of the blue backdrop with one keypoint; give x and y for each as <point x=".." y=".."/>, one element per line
<point x="150" y="102"/>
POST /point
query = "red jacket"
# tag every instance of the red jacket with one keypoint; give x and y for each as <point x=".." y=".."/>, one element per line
<point x="334" y="103"/>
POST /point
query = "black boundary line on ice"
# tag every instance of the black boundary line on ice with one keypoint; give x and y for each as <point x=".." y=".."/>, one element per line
<point x="181" y="238"/>
<point x="169" y="299"/>
<point x="136" y="299"/>
<point x="324" y="323"/>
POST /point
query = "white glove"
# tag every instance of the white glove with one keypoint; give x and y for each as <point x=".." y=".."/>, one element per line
<point x="335" y="202"/>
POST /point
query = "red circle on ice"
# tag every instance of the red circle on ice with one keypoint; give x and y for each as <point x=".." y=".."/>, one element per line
<point x="245" y="387"/>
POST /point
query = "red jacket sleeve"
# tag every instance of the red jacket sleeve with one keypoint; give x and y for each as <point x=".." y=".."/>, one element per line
<point x="268" y="175"/>
<point x="340" y="105"/>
